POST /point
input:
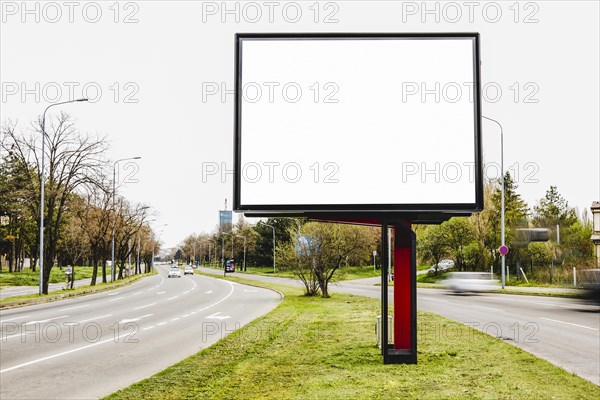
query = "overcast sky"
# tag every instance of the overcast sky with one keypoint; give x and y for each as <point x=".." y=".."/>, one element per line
<point x="160" y="75"/>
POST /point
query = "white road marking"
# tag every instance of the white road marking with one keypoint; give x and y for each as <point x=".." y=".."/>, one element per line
<point x="172" y="298"/>
<point x="46" y="320"/>
<point x="113" y="294"/>
<point x="210" y="291"/>
<point x="118" y="298"/>
<point x="72" y="308"/>
<point x="175" y="319"/>
<point x="161" y="323"/>
<point x="63" y="353"/>
<point x="147" y="305"/>
<point x="135" y="294"/>
<point x="569" y="323"/>
<point x="433" y="299"/>
<point x="14" y="319"/>
<point x="217" y="316"/>
<point x="135" y="319"/>
<point x="95" y="318"/>
<point x="487" y="308"/>
<point x="163" y="292"/>
<point x="186" y="292"/>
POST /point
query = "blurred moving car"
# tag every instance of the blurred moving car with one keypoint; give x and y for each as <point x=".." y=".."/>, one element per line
<point x="590" y="282"/>
<point x="188" y="270"/>
<point x="463" y="282"/>
<point x="174" y="272"/>
<point x="443" y="265"/>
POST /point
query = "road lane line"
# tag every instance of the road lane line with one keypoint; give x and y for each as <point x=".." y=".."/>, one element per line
<point x="171" y="298"/>
<point x="14" y="319"/>
<point x="569" y="323"/>
<point x="186" y="292"/>
<point x="210" y="291"/>
<point x="118" y="298"/>
<point x="73" y="308"/>
<point x="147" y="305"/>
<point x="127" y="320"/>
<point x="63" y="353"/>
<point x="163" y="292"/>
<point x="175" y="319"/>
<point x="95" y="318"/>
<point x="161" y="323"/>
<point x="433" y="299"/>
<point x="487" y="308"/>
<point x="46" y="320"/>
<point x="135" y="294"/>
<point x="113" y="294"/>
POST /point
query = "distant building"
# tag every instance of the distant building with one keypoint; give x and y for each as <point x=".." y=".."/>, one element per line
<point x="225" y="220"/>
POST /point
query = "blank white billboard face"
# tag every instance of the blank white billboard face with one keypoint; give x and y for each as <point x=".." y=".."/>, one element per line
<point x="367" y="123"/>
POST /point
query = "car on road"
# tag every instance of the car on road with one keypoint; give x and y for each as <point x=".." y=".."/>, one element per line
<point x="464" y="282"/>
<point x="174" y="272"/>
<point x="590" y="282"/>
<point x="443" y="265"/>
<point x="188" y="270"/>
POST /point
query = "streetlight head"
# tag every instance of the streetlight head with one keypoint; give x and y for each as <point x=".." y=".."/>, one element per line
<point x="84" y="99"/>
<point x="136" y="158"/>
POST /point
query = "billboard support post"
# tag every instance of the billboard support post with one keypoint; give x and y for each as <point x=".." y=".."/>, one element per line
<point x="403" y="350"/>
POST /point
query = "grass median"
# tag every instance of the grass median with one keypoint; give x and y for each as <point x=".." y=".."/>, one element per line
<point x="316" y="348"/>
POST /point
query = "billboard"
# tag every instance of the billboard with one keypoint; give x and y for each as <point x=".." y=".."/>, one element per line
<point x="357" y="122"/>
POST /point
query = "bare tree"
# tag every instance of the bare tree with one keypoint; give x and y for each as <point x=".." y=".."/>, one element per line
<point x="73" y="160"/>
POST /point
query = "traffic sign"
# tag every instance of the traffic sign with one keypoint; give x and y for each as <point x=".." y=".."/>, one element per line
<point x="503" y="250"/>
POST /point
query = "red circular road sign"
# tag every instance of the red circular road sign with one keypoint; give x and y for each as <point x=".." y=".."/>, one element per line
<point x="503" y="250"/>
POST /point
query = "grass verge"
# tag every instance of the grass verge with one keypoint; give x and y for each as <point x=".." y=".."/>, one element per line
<point x="316" y="348"/>
<point x="20" y="301"/>
<point x="344" y="274"/>
<point x="27" y="277"/>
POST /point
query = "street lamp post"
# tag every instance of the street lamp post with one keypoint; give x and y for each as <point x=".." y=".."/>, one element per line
<point x="112" y="262"/>
<point x="271" y="226"/>
<point x="244" y="237"/>
<point x="501" y="197"/>
<point x="154" y="246"/>
<point x="42" y="190"/>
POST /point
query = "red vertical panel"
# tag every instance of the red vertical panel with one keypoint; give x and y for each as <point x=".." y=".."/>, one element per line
<point x="402" y="291"/>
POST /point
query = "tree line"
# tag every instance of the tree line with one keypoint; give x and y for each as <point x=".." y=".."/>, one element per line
<point x="80" y="212"/>
<point x="473" y="242"/>
<point x="315" y="251"/>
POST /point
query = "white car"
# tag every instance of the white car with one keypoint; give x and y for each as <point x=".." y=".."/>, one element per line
<point x="443" y="265"/>
<point x="174" y="272"/>
<point x="461" y="282"/>
<point x="188" y="270"/>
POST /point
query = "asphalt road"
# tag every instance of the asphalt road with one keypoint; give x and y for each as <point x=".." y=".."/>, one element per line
<point x="91" y="346"/>
<point x="563" y="331"/>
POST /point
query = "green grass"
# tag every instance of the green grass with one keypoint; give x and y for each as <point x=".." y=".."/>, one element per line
<point x="316" y="348"/>
<point x="29" y="278"/>
<point x="345" y="273"/>
<point x="18" y="301"/>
